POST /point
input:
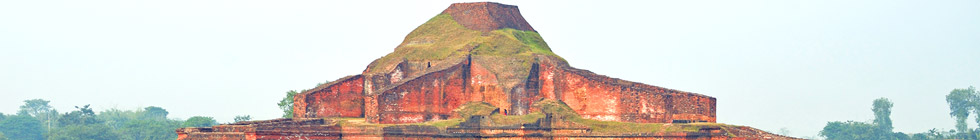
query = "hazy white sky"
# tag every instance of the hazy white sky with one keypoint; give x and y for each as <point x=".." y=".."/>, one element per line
<point x="770" y="63"/>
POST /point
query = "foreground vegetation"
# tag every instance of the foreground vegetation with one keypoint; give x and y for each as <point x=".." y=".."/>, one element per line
<point x="961" y="103"/>
<point x="37" y="120"/>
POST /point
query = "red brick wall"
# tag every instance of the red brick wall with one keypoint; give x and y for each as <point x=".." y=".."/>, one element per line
<point x="483" y="86"/>
<point x="603" y="98"/>
<point x="485" y="16"/>
<point x="341" y="98"/>
<point x="431" y="96"/>
<point x="413" y="93"/>
<point x="687" y="106"/>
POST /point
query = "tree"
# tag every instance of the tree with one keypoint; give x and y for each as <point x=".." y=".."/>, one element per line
<point x="96" y="131"/>
<point x="286" y="104"/>
<point x="21" y="127"/>
<point x="39" y="109"/>
<point x="82" y="124"/>
<point x="146" y="123"/>
<point x="921" y="136"/>
<point x="879" y="128"/>
<point x="882" y="108"/>
<point x="116" y="118"/>
<point x="150" y="129"/>
<point x="200" y="121"/>
<point x="784" y="131"/>
<point x="243" y="118"/>
<point x="849" y="130"/>
<point x="961" y="102"/>
<point x="1" y="135"/>
<point x="84" y="115"/>
<point x="153" y="112"/>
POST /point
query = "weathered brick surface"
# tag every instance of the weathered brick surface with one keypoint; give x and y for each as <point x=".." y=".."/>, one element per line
<point x="484" y="86"/>
<point x="434" y="94"/>
<point x="264" y="130"/>
<point x="341" y="98"/>
<point x="431" y="96"/>
<point x="477" y="127"/>
<point x="418" y="91"/>
<point x="602" y="98"/>
<point x="488" y="16"/>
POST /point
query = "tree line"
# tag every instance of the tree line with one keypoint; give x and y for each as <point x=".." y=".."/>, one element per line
<point x="37" y="120"/>
<point x="961" y="102"/>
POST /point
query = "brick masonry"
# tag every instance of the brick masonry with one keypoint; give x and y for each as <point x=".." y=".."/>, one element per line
<point x="417" y="91"/>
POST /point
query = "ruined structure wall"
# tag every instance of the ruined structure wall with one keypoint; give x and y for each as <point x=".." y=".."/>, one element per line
<point x="375" y="82"/>
<point x="483" y="86"/>
<point x="431" y="96"/>
<point x="603" y="98"/>
<point x="306" y="128"/>
<point x="484" y="16"/>
<point x="341" y="98"/>
<point x="372" y="83"/>
<point x="692" y="107"/>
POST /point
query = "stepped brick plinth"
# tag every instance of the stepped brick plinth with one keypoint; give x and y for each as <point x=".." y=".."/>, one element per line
<point x="478" y="70"/>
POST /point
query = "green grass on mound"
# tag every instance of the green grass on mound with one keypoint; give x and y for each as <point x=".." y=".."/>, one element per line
<point x="441" y="38"/>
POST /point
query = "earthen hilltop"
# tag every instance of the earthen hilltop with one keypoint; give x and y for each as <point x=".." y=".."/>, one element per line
<point x="480" y="71"/>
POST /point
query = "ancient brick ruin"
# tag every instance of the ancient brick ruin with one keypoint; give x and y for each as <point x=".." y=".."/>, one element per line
<point x="395" y="99"/>
<point x="434" y="94"/>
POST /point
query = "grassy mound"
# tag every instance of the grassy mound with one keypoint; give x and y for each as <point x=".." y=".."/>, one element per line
<point x="442" y="37"/>
<point x="475" y="108"/>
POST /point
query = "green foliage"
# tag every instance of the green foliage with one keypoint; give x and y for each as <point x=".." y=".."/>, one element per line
<point x="961" y="101"/>
<point x="882" y="108"/>
<point x="21" y="127"/>
<point x="83" y="116"/>
<point x="286" y="104"/>
<point x="81" y="124"/>
<point x="783" y="131"/>
<point x="93" y="131"/>
<point x="200" y="121"/>
<point x="40" y="110"/>
<point x="241" y="118"/>
<point x="150" y="129"/>
<point x="153" y="112"/>
<point x="920" y="136"/>
<point x="849" y="130"/>
<point x="116" y="118"/>
<point x="474" y="108"/>
<point x="149" y="123"/>
<point x="880" y="128"/>
<point x="442" y="37"/>
<point x="441" y="123"/>
<point x="439" y="38"/>
<point x="507" y="120"/>
<point x="141" y="124"/>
